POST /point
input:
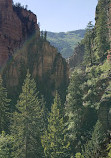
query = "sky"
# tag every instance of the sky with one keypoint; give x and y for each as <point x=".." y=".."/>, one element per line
<point x="62" y="15"/>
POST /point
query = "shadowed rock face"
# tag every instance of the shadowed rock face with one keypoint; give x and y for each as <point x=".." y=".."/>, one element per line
<point x="21" y="42"/>
<point x="77" y="58"/>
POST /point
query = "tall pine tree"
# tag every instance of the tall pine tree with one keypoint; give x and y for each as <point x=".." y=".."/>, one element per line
<point x="93" y="147"/>
<point x="6" y="143"/>
<point x="74" y="110"/>
<point x="27" y="122"/>
<point x="88" y="42"/>
<point x="101" y="40"/>
<point x="54" y="141"/>
<point x="4" y="108"/>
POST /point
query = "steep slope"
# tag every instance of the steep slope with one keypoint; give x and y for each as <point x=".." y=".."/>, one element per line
<point x="96" y="86"/>
<point x="89" y="92"/>
<point x="22" y="45"/>
<point x="65" y="42"/>
<point x="100" y="36"/>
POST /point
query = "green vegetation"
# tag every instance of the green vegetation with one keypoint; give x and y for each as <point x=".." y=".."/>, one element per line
<point x="78" y="155"/>
<point x="27" y="122"/>
<point x="65" y="42"/>
<point x="93" y="147"/>
<point x="74" y="110"/>
<point x="4" y="108"/>
<point x="101" y="32"/>
<point x="18" y="5"/>
<point x="76" y="130"/>
<point x="54" y="140"/>
<point x="88" y="41"/>
<point x="109" y="149"/>
<point x="6" y="144"/>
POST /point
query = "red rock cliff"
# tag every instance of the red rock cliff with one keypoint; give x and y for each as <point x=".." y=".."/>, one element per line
<point x="46" y="65"/>
<point x="13" y="31"/>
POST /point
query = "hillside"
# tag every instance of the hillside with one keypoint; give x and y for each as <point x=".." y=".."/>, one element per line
<point x="65" y="42"/>
<point x="89" y="100"/>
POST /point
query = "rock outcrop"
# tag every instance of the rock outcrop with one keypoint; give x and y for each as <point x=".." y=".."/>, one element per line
<point x="13" y="31"/>
<point x="20" y="42"/>
<point x="77" y="58"/>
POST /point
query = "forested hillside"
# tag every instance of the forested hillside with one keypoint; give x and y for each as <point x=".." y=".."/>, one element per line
<point x="88" y="103"/>
<point x="65" y="42"/>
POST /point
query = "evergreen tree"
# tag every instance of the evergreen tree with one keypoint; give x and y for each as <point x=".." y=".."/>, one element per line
<point x="54" y="141"/>
<point x="6" y="143"/>
<point x="101" y="40"/>
<point x="45" y="35"/>
<point x="42" y="35"/>
<point x="74" y="110"/>
<point x="44" y="114"/>
<point x="93" y="148"/>
<point x="109" y="149"/>
<point x="27" y="122"/>
<point x="4" y="108"/>
<point x="88" y="42"/>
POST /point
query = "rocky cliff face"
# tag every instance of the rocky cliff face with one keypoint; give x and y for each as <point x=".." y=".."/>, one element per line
<point x="20" y="42"/>
<point x="13" y="31"/>
<point x="77" y="58"/>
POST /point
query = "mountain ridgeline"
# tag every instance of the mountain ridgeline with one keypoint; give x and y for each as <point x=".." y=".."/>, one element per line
<point x="65" y="42"/>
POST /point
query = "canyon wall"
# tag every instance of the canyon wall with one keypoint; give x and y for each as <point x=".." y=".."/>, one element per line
<point x="21" y="44"/>
<point x="13" y="31"/>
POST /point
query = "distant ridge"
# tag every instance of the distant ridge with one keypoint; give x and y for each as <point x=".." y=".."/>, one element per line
<point x="65" y="42"/>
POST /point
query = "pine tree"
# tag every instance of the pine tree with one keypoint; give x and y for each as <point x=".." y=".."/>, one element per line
<point x="101" y="40"/>
<point x="74" y="110"/>
<point x="44" y="114"/>
<point x="54" y="141"/>
<point x="109" y="150"/>
<point x="6" y="143"/>
<point x="27" y="122"/>
<point x="92" y="149"/>
<point x="42" y="35"/>
<point x="88" y="42"/>
<point x="4" y="108"/>
<point x="45" y="35"/>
